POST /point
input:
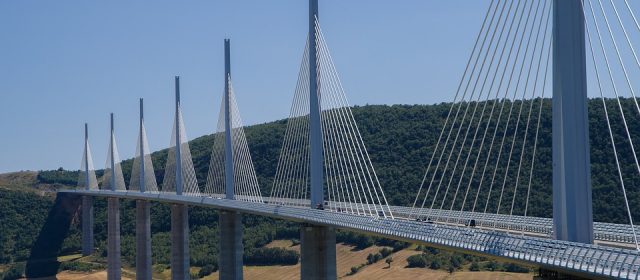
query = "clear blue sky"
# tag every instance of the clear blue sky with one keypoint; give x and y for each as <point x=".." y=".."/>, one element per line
<point x="63" y="63"/>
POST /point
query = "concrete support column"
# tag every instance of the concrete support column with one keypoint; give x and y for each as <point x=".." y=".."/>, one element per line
<point x="87" y="225"/>
<point x="572" y="206"/>
<point x="180" y="242"/>
<point x="143" y="240"/>
<point x="317" y="252"/>
<point x="231" y="248"/>
<point x="114" y="264"/>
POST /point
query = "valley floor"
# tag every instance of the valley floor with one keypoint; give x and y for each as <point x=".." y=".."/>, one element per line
<point x="347" y="257"/>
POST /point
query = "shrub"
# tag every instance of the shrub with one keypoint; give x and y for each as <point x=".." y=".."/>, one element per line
<point x="385" y="252"/>
<point x="492" y="266"/>
<point x="355" y="269"/>
<point x="271" y="256"/>
<point x="516" y="268"/>
<point x="207" y="270"/>
<point x="416" y="261"/>
<point x="474" y="266"/>
<point x="373" y="258"/>
<point x="435" y="264"/>
<point x="14" y="272"/>
<point x="80" y="266"/>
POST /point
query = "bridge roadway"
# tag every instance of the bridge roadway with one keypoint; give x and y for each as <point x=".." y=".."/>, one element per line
<point x="585" y="260"/>
<point x="619" y="235"/>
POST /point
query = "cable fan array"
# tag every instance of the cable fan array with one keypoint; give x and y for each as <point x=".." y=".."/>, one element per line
<point x="244" y="175"/>
<point x="245" y="180"/>
<point x="610" y="43"/>
<point x="181" y="160"/>
<point x="490" y="134"/>
<point x="87" y="176"/>
<point x="142" y="170"/>
<point x="112" y="178"/>
<point x="351" y="182"/>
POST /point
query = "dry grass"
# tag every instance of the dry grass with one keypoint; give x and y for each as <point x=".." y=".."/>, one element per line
<point x="346" y="258"/>
<point x="399" y="270"/>
<point x="67" y="275"/>
<point x="345" y="254"/>
<point x="18" y="180"/>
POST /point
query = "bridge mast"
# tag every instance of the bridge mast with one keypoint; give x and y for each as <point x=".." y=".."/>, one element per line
<point x="318" y="243"/>
<point x="572" y="205"/>
<point x="112" y="164"/>
<point x="87" y="202"/>
<point x="315" y="126"/>
<point x="142" y="182"/>
<point x="143" y="215"/>
<point x="228" y="149"/>
<point x="114" y="264"/>
<point x="178" y="143"/>
<point x="86" y="157"/>
<point x="230" y="223"/>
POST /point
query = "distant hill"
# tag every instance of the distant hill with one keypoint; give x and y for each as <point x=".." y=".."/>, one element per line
<point x="399" y="139"/>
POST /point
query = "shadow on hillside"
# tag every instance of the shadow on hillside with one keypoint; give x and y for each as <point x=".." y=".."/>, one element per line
<point x="43" y="261"/>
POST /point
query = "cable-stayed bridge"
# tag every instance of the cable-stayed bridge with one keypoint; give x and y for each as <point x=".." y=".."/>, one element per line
<point x="475" y="193"/>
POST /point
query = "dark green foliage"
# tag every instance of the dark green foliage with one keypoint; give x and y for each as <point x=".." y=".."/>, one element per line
<point x="435" y="264"/>
<point x="355" y="269"/>
<point x="399" y="139"/>
<point x="373" y="258"/>
<point x="510" y="267"/>
<point x="60" y="176"/>
<point x="207" y="270"/>
<point x="474" y="266"/>
<point x="359" y="240"/>
<point x="385" y="252"/>
<point x="81" y="266"/>
<point x="416" y="261"/>
<point x="271" y="256"/>
<point x="22" y="215"/>
<point x="15" y="271"/>
<point x="436" y="259"/>
<point x="492" y="266"/>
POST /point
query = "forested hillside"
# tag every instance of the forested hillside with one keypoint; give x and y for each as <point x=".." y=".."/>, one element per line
<point x="400" y="140"/>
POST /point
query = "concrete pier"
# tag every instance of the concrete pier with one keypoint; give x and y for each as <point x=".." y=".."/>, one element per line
<point x="143" y="240"/>
<point x="317" y="252"/>
<point x="180" y="242"/>
<point x="114" y="264"/>
<point x="87" y="225"/>
<point x="231" y="248"/>
<point x="572" y="201"/>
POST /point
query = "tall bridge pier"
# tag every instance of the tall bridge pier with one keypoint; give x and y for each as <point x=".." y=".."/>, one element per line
<point x="230" y="223"/>
<point x="143" y="214"/>
<point x="317" y="243"/>
<point x="114" y="263"/>
<point x="87" y="201"/>
<point x="87" y="225"/>
<point x="572" y="212"/>
<point x="179" y="212"/>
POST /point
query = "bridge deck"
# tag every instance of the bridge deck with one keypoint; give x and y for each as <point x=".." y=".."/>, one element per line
<point x="568" y="257"/>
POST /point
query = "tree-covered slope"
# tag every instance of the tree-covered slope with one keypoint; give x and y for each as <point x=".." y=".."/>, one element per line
<point x="400" y="140"/>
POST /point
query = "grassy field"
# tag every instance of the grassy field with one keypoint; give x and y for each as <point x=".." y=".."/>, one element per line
<point x="347" y="257"/>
